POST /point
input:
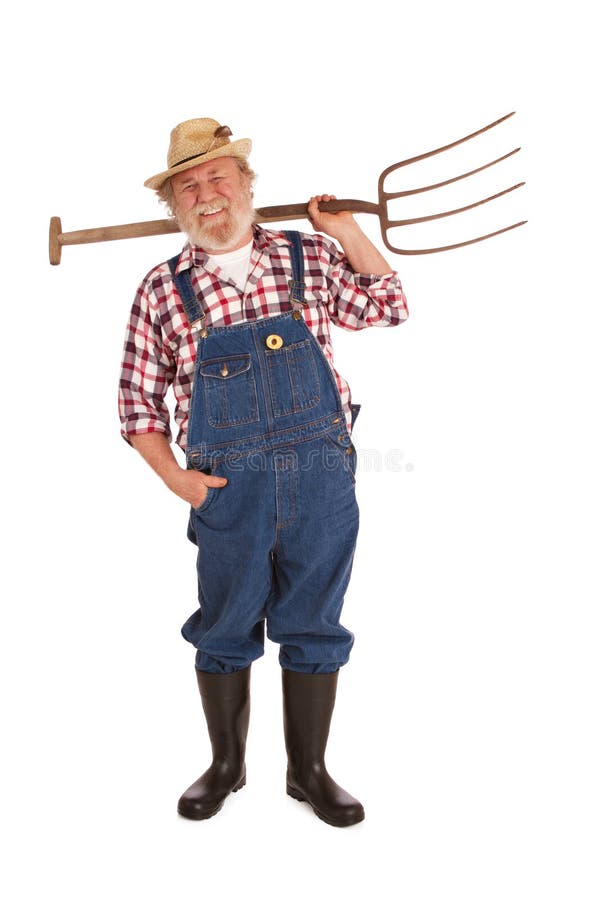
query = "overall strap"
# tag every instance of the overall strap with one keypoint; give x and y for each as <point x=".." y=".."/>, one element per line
<point x="183" y="283"/>
<point x="296" y="283"/>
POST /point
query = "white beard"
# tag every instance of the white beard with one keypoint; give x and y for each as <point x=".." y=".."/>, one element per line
<point x="226" y="231"/>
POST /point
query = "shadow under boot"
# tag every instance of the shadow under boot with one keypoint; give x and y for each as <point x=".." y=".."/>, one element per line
<point x="308" y="702"/>
<point x="226" y="704"/>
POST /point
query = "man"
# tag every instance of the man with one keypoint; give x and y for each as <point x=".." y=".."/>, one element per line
<point x="238" y="325"/>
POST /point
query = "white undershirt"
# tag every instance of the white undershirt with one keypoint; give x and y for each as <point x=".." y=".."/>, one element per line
<point x="234" y="265"/>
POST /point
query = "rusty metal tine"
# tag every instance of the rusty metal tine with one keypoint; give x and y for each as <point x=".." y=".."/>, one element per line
<point x="412" y="159"/>
<point x="476" y="240"/>
<point x="451" y="212"/>
<point x="431" y="187"/>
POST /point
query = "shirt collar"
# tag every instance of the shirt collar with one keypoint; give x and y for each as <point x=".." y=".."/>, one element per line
<point x="192" y="256"/>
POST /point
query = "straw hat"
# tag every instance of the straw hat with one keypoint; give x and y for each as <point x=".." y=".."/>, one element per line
<point x="196" y="141"/>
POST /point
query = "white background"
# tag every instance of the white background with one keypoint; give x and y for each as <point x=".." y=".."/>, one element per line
<point x="467" y="720"/>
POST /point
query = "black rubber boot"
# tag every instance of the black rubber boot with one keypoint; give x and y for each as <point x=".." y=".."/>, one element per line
<point x="308" y="702"/>
<point x="226" y="704"/>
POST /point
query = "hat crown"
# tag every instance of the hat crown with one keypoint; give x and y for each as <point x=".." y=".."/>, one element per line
<point x="195" y="137"/>
<point x="196" y="141"/>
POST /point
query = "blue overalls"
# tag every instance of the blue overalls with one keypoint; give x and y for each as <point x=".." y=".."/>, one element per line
<point x="277" y="542"/>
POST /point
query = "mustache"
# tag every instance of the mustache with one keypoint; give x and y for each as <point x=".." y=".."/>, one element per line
<point x="202" y="209"/>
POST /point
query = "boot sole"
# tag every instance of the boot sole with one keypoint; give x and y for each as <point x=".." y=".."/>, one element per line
<point x="198" y="816"/>
<point x="298" y="795"/>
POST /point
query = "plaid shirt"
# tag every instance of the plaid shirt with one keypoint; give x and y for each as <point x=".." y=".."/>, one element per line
<point x="160" y="348"/>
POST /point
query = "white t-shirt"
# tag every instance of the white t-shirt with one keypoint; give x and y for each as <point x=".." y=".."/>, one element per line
<point x="234" y="265"/>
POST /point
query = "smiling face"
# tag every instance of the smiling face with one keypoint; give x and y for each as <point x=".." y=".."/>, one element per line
<point x="212" y="203"/>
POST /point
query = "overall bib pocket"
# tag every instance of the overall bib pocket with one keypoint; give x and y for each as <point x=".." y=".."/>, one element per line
<point x="293" y="378"/>
<point x="229" y="390"/>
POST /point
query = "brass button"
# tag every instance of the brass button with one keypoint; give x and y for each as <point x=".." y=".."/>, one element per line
<point x="274" y="342"/>
<point x="335" y="421"/>
<point x="348" y="449"/>
<point x="224" y="370"/>
<point x="297" y="314"/>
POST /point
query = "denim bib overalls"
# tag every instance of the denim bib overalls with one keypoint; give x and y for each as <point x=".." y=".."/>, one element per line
<point x="276" y="543"/>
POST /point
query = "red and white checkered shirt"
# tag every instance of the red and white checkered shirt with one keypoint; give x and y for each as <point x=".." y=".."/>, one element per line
<point x="160" y="347"/>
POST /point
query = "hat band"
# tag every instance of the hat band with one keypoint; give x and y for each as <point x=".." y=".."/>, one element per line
<point x="188" y="158"/>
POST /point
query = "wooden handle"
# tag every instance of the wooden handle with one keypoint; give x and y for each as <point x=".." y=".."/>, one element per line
<point x="300" y="210"/>
<point x="58" y="238"/>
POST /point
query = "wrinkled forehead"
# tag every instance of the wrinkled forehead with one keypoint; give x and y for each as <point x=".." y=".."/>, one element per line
<point x="222" y="165"/>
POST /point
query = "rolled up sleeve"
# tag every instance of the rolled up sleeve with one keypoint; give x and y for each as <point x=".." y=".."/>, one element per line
<point x="147" y="370"/>
<point x="358" y="300"/>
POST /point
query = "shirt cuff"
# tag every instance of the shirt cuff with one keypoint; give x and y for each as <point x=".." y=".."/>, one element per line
<point x="147" y="426"/>
<point x="364" y="282"/>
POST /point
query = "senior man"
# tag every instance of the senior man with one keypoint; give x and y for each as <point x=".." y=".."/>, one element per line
<point x="238" y="324"/>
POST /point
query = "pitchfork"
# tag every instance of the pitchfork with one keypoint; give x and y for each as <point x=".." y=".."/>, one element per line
<point x="58" y="238"/>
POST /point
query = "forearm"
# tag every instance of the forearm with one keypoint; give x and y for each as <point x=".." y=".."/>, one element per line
<point x="156" y="450"/>
<point x="188" y="484"/>
<point x="362" y="254"/>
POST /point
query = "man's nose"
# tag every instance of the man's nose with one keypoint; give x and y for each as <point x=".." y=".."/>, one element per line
<point x="205" y="193"/>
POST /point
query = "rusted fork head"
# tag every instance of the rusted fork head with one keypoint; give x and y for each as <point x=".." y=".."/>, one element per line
<point x="385" y="196"/>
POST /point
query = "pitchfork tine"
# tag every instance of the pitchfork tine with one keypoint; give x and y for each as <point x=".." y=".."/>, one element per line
<point x="476" y="240"/>
<point x="431" y="187"/>
<point x="412" y="159"/>
<point x="451" y="212"/>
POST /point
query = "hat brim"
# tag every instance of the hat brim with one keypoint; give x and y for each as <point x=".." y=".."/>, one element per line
<point x="239" y="149"/>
